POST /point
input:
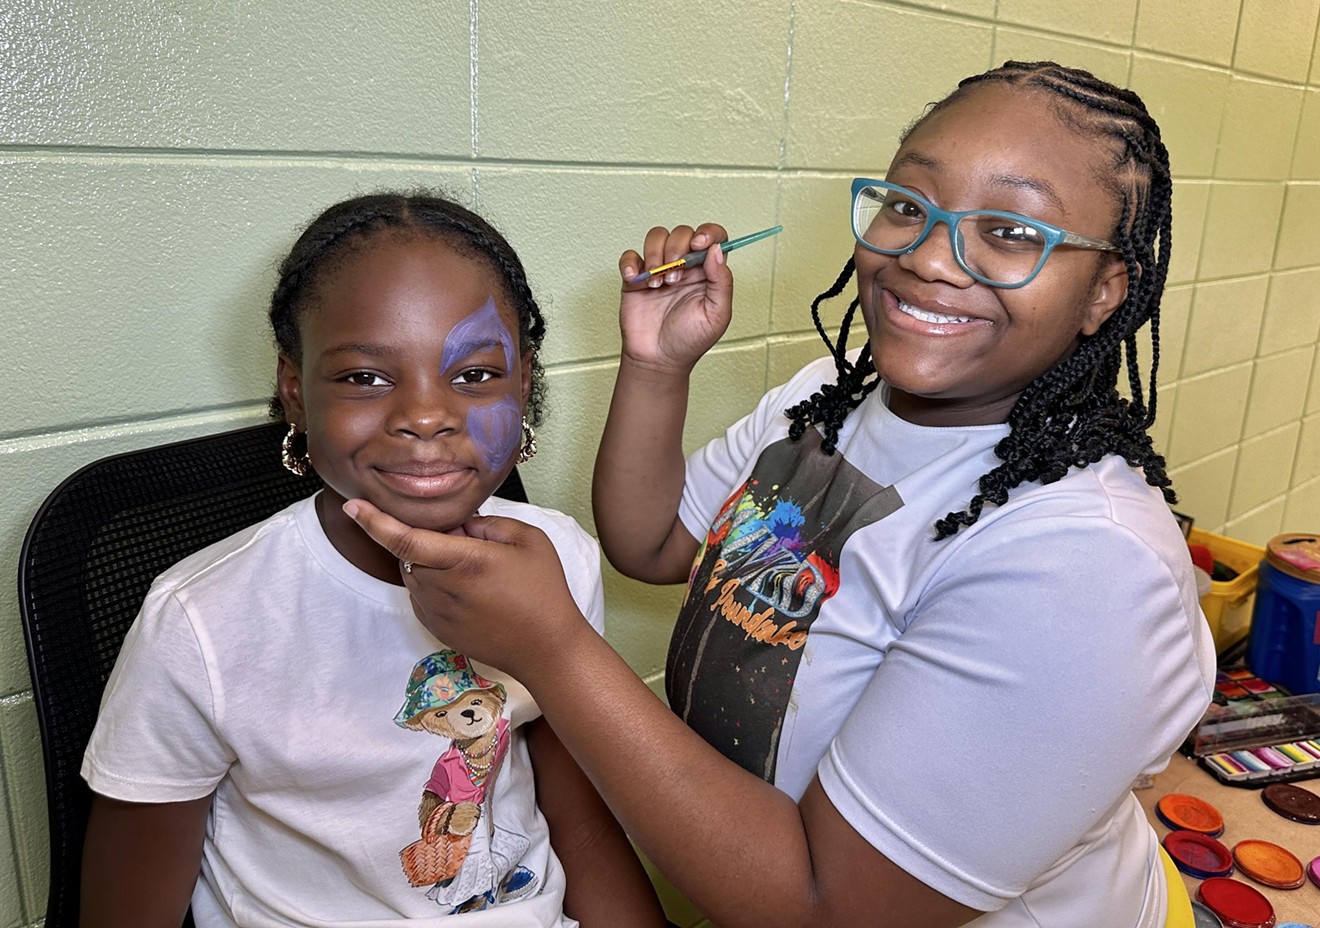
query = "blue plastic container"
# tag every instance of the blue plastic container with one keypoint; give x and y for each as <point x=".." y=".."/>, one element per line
<point x="1285" y="623"/>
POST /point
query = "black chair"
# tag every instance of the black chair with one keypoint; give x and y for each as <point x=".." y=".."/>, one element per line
<point x="90" y="555"/>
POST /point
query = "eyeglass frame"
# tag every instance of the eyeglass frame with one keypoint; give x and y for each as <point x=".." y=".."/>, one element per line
<point x="1054" y="235"/>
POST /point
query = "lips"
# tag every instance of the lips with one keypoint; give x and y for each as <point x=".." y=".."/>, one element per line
<point x="421" y="468"/>
<point x="424" y="478"/>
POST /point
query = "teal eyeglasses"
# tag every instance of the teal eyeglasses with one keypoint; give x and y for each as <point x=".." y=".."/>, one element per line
<point x="997" y="248"/>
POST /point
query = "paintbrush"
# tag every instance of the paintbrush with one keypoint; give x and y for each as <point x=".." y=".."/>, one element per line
<point x="693" y="258"/>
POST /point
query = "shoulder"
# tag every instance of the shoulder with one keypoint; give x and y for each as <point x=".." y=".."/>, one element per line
<point x="233" y="557"/>
<point x="1108" y="500"/>
<point x="1097" y="545"/>
<point x="568" y="537"/>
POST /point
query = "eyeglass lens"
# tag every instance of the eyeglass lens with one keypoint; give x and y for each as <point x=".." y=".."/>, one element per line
<point x="993" y="246"/>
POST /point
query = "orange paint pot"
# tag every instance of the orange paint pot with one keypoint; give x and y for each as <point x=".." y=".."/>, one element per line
<point x="1268" y="864"/>
<point x="1189" y="813"/>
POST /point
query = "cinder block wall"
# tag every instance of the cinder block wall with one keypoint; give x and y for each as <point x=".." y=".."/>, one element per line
<point x="157" y="157"/>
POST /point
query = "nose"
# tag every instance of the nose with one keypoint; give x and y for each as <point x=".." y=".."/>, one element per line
<point x="934" y="258"/>
<point x="422" y="411"/>
<point x="469" y="715"/>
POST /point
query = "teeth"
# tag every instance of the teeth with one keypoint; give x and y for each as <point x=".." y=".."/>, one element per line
<point x="926" y="316"/>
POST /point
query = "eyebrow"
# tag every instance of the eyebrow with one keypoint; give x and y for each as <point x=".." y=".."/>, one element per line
<point x="377" y="351"/>
<point x="1005" y="181"/>
<point x="467" y="347"/>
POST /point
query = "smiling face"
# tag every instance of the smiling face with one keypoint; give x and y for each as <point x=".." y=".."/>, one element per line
<point x="955" y="351"/>
<point x="411" y="388"/>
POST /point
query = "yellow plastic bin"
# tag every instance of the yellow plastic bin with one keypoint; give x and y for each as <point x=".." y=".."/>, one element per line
<point x="1228" y="605"/>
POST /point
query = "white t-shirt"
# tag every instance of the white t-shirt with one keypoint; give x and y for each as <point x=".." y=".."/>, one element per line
<point x="978" y="707"/>
<point x="270" y="670"/>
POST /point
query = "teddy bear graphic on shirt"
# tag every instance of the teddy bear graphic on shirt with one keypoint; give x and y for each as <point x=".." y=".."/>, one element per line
<point x="468" y="860"/>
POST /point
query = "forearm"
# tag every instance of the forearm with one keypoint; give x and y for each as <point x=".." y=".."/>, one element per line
<point x="638" y="480"/>
<point x="715" y="830"/>
<point x="141" y="862"/>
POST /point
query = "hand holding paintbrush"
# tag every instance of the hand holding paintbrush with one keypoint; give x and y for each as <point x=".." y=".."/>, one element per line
<point x="673" y="313"/>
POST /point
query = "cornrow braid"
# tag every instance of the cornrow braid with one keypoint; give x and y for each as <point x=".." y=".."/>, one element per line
<point x="352" y="224"/>
<point x="1073" y="414"/>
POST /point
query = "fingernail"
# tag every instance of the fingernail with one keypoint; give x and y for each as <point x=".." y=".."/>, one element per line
<point x="672" y="277"/>
<point x="719" y="255"/>
<point x="351" y="508"/>
<point x="699" y="241"/>
<point x="655" y="282"/>
<point x="629" y="272"/>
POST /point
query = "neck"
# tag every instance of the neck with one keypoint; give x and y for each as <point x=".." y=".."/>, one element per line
<point x="936" y="413"/>
<point x="355" y="545"/>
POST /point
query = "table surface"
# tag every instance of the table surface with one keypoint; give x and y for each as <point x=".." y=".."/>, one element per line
<point x="1245" y="816"/>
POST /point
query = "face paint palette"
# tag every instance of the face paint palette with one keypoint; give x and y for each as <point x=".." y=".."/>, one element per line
<point x="1236" y="903"/>
<point x="1197" y="855"/>
<point x="1254" y="742"/>
<point x="1202" y="917"/>
<point x="1188" y="813"/>
<point x="1268" y="864"/>
<point x="1292" y="802"/>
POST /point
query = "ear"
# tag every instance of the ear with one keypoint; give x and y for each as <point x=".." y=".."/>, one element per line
<point x="288" y="383"/>
<point x="1107" y="294"/>
<point x="526" y="363"/>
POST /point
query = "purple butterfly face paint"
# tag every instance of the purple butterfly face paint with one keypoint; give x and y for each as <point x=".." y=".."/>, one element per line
<point x="497" y="426"/>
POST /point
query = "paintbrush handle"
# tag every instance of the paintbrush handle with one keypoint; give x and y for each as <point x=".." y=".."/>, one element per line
<point x="693" y="258"/>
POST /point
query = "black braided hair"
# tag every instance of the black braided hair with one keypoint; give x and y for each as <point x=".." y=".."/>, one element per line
<point x="1072" y="415"/>
<point x="350" y="225"/>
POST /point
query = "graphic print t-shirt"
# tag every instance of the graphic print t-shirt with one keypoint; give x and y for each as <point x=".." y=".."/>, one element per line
<point x="270" y="670"/>
<point x="769" y="562"/>
<point x="944" y="691"/>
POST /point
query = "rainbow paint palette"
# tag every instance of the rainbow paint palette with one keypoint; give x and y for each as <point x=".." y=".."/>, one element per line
<point x="1257" y="741"/>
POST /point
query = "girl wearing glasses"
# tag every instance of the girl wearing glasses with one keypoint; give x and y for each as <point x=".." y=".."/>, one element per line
<point x="938" y="615"/>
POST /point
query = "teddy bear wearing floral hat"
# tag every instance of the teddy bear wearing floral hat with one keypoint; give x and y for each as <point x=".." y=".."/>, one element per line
<point x="447" y="697"/>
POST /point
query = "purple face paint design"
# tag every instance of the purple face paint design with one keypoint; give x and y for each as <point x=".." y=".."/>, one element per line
<point x="496" y="427"/>
<point x="481" y="330"/>
<point x="495" y="430"/>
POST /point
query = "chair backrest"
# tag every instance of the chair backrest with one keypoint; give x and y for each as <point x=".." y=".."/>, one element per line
<point x="89" y="557"/>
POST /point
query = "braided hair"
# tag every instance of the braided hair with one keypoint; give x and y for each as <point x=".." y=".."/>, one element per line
<point x="351" y="225"/>
<point x="1072" y="415"/>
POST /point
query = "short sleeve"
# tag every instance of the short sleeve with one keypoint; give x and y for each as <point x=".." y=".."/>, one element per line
<point x="715" y="470"/>
<point x="156" y="738"/>
<point x="1051" y="662"/>
<point x="585" y="578"/>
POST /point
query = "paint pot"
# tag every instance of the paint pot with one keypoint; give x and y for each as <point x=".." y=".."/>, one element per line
<point x="1236" y="903"/>
<point x="1268" y="864"/>
<point x="1292" y="802"/>
<point x="1181" y="812"/>
<point x="1197" y="855"/>
<point x="1203" y="917"/>
<point x="1285" y="622"/>
<point x="1313" y="870"/>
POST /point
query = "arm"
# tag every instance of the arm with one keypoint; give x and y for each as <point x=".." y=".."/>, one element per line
<point x="607" y="885"/>
<point x="141" y="862"/>
<point x="665" y="331"/>
<point x="739" y="848"/>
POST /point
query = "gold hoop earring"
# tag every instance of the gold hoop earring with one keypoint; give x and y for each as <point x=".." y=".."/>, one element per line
<point x="298" y="466"/>
<point x="528" y="449"/>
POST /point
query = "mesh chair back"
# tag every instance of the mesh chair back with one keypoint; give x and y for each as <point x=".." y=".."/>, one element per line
<point x="88" y="559"/>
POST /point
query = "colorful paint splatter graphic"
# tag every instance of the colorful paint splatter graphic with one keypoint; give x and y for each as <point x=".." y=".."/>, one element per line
<point x="769" y="562"/>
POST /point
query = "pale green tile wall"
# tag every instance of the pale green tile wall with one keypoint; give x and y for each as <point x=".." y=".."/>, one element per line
<point x="155" y="157"/>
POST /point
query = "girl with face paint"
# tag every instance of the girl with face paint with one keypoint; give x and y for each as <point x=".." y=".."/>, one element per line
<point x="254" y="731"/>
<point x="938" y="615"/>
